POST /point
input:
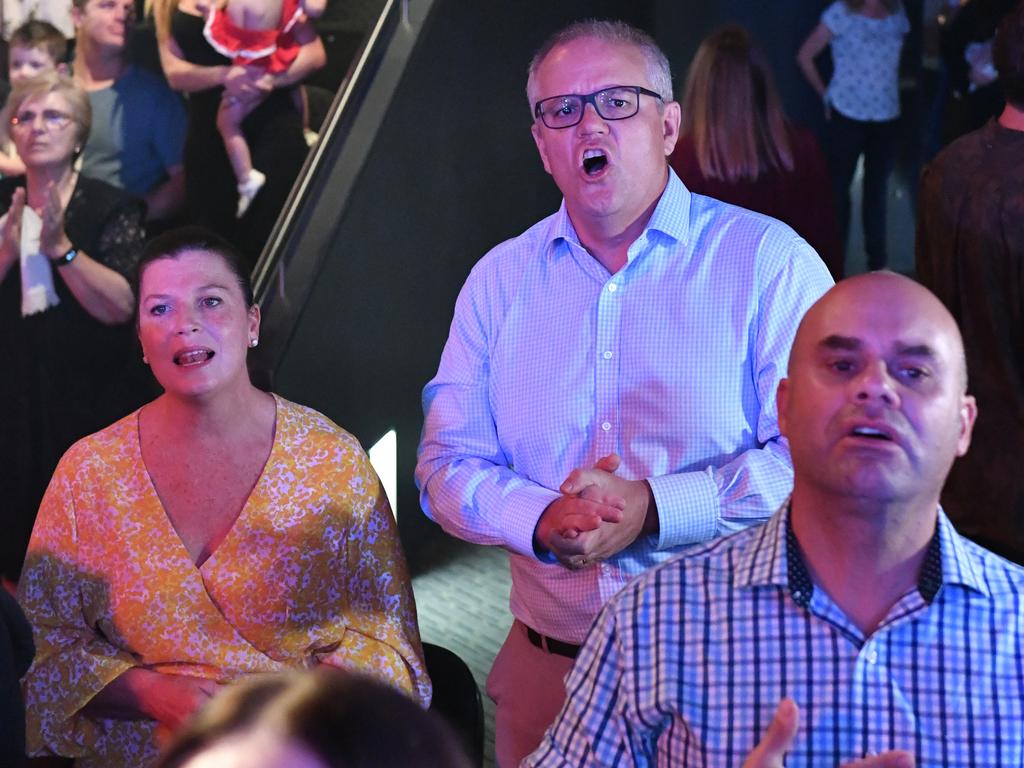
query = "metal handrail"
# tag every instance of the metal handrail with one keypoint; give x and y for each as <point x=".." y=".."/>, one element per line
<point x="303" y="235"/>
<point x="353" y="84"/>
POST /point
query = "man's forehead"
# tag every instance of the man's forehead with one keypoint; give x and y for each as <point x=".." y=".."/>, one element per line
<point x="909" y="346"/>
<point x="107" y="4"/>
<point x="879" y="304"/>
<point x="593" y="57"/>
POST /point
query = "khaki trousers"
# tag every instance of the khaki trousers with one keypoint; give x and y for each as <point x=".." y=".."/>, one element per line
<point x="527" y="685"/>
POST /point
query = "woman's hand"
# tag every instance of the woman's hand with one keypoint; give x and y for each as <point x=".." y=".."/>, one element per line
<point x="172" y="699"/>
<point x="10" y="249"/>
<point x="53" y="240"/>
<point x="246" y="87"/>
<point x="142" y="694"/>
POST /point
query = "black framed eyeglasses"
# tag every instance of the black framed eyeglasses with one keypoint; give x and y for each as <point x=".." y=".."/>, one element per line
<point x="615" y="103"/>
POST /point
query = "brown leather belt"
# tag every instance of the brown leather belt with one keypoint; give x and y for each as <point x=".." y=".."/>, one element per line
<point x="551" y="645"/>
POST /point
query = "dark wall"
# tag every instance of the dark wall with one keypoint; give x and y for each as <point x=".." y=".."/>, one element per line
<point x="453" y="171"/>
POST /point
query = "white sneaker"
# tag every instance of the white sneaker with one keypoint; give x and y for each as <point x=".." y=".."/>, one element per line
<point x="248" y="190"/>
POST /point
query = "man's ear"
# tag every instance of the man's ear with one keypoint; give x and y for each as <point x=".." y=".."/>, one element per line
<point x="538" y="139"/>
<point x="968" y="415"/>
<point x="782" y="404"/>
<point x="670" y="121"/>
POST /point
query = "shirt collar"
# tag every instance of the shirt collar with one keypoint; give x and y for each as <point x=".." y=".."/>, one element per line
<point x="772" y="556"/>
<point x="671" y="216"/>
<point x="957" y="565"/>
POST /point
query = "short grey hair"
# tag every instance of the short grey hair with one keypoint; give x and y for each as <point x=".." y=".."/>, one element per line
<point x="51" y="82"/>
<point x="607" y="31"/>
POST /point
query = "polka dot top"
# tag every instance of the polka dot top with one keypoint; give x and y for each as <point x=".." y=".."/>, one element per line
<point x="866" y="55"/>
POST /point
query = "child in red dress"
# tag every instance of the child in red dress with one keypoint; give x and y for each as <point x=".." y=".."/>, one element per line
<point x="253" y="33"/>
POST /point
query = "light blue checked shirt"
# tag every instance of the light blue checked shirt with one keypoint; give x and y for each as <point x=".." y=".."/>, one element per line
<point x="686" y="666"/>
<point x="672" y="363"/>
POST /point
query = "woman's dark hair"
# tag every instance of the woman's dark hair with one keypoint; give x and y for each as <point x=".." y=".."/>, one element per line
<point x="347" y="720"/>
<point x="172" y="244"/>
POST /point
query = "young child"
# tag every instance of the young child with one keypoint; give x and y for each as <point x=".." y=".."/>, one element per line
<point x="253" y="33"/>
<point x="35" y="47"/>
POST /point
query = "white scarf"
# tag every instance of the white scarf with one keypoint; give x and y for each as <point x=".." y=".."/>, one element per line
<point x="37" y="290"/>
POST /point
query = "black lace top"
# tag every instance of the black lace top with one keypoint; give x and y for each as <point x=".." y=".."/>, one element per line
<point x="65" y="374"/>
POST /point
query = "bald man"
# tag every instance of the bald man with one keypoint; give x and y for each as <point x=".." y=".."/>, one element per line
<point x="889" y="639"/>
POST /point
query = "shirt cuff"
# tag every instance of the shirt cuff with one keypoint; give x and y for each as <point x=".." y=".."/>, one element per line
<point x="521" y="511"/>
<point x="688" y="508"/>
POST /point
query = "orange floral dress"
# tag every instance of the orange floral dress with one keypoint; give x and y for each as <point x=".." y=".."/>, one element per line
<point x="311" y="572"/>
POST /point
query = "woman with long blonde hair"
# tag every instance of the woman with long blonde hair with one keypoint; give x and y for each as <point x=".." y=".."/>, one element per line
<point x="737" y="145"/>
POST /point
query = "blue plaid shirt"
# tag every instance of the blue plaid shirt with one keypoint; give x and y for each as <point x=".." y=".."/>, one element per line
<point x="686" y="666"/>
<point x="672" y="363"/>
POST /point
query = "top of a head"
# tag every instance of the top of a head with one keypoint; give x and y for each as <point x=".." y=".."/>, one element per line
<point x="51" y="81"/>
<point x="345" y="720"/>
<point x="193" y="239"/>
<point x="613" y="32"/>
<point x="1008" y="55"/>
<point x="36" y="33"/>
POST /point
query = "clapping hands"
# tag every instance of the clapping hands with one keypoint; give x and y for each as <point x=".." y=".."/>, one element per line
<point x="53" y="240"/>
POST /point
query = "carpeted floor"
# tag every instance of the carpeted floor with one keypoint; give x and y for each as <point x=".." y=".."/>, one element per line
<point x="462" y="601"/>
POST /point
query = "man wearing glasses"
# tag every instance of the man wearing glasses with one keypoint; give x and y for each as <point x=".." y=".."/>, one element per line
<point x="606" y="394"/>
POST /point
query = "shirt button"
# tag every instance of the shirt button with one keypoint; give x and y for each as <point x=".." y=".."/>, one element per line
<point x="612" y="287"/>
<point x="607" y="355"/>
<point x="872" y="656"/>
<point x="606" y="426"/>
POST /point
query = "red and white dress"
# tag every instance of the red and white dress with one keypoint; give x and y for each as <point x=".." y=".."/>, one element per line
<point x="275" y="48"/>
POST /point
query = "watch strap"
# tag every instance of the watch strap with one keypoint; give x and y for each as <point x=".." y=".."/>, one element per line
<point x="67" y="257"/>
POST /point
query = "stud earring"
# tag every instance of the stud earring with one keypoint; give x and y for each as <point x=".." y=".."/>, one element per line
<point x="145" y="360"/>
<point x="253" y="342"/>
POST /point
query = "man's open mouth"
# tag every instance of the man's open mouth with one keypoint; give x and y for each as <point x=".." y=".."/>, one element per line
<point x="870" y="432"/>
<point x="594" y="161"/>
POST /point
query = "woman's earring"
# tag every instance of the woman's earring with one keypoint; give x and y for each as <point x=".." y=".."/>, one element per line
<point x="253" y="342"/>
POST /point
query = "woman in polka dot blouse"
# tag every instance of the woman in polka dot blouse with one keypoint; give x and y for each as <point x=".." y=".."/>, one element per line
<point x="862" y="104"/>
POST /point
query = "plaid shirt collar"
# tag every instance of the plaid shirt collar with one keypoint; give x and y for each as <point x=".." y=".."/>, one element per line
<point x="772" y="556"/>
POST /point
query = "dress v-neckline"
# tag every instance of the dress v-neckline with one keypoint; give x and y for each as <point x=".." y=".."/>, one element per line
<point x="255" y="491"/>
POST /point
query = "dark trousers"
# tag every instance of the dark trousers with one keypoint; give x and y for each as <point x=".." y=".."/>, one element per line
<point x="876" y="141"/>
